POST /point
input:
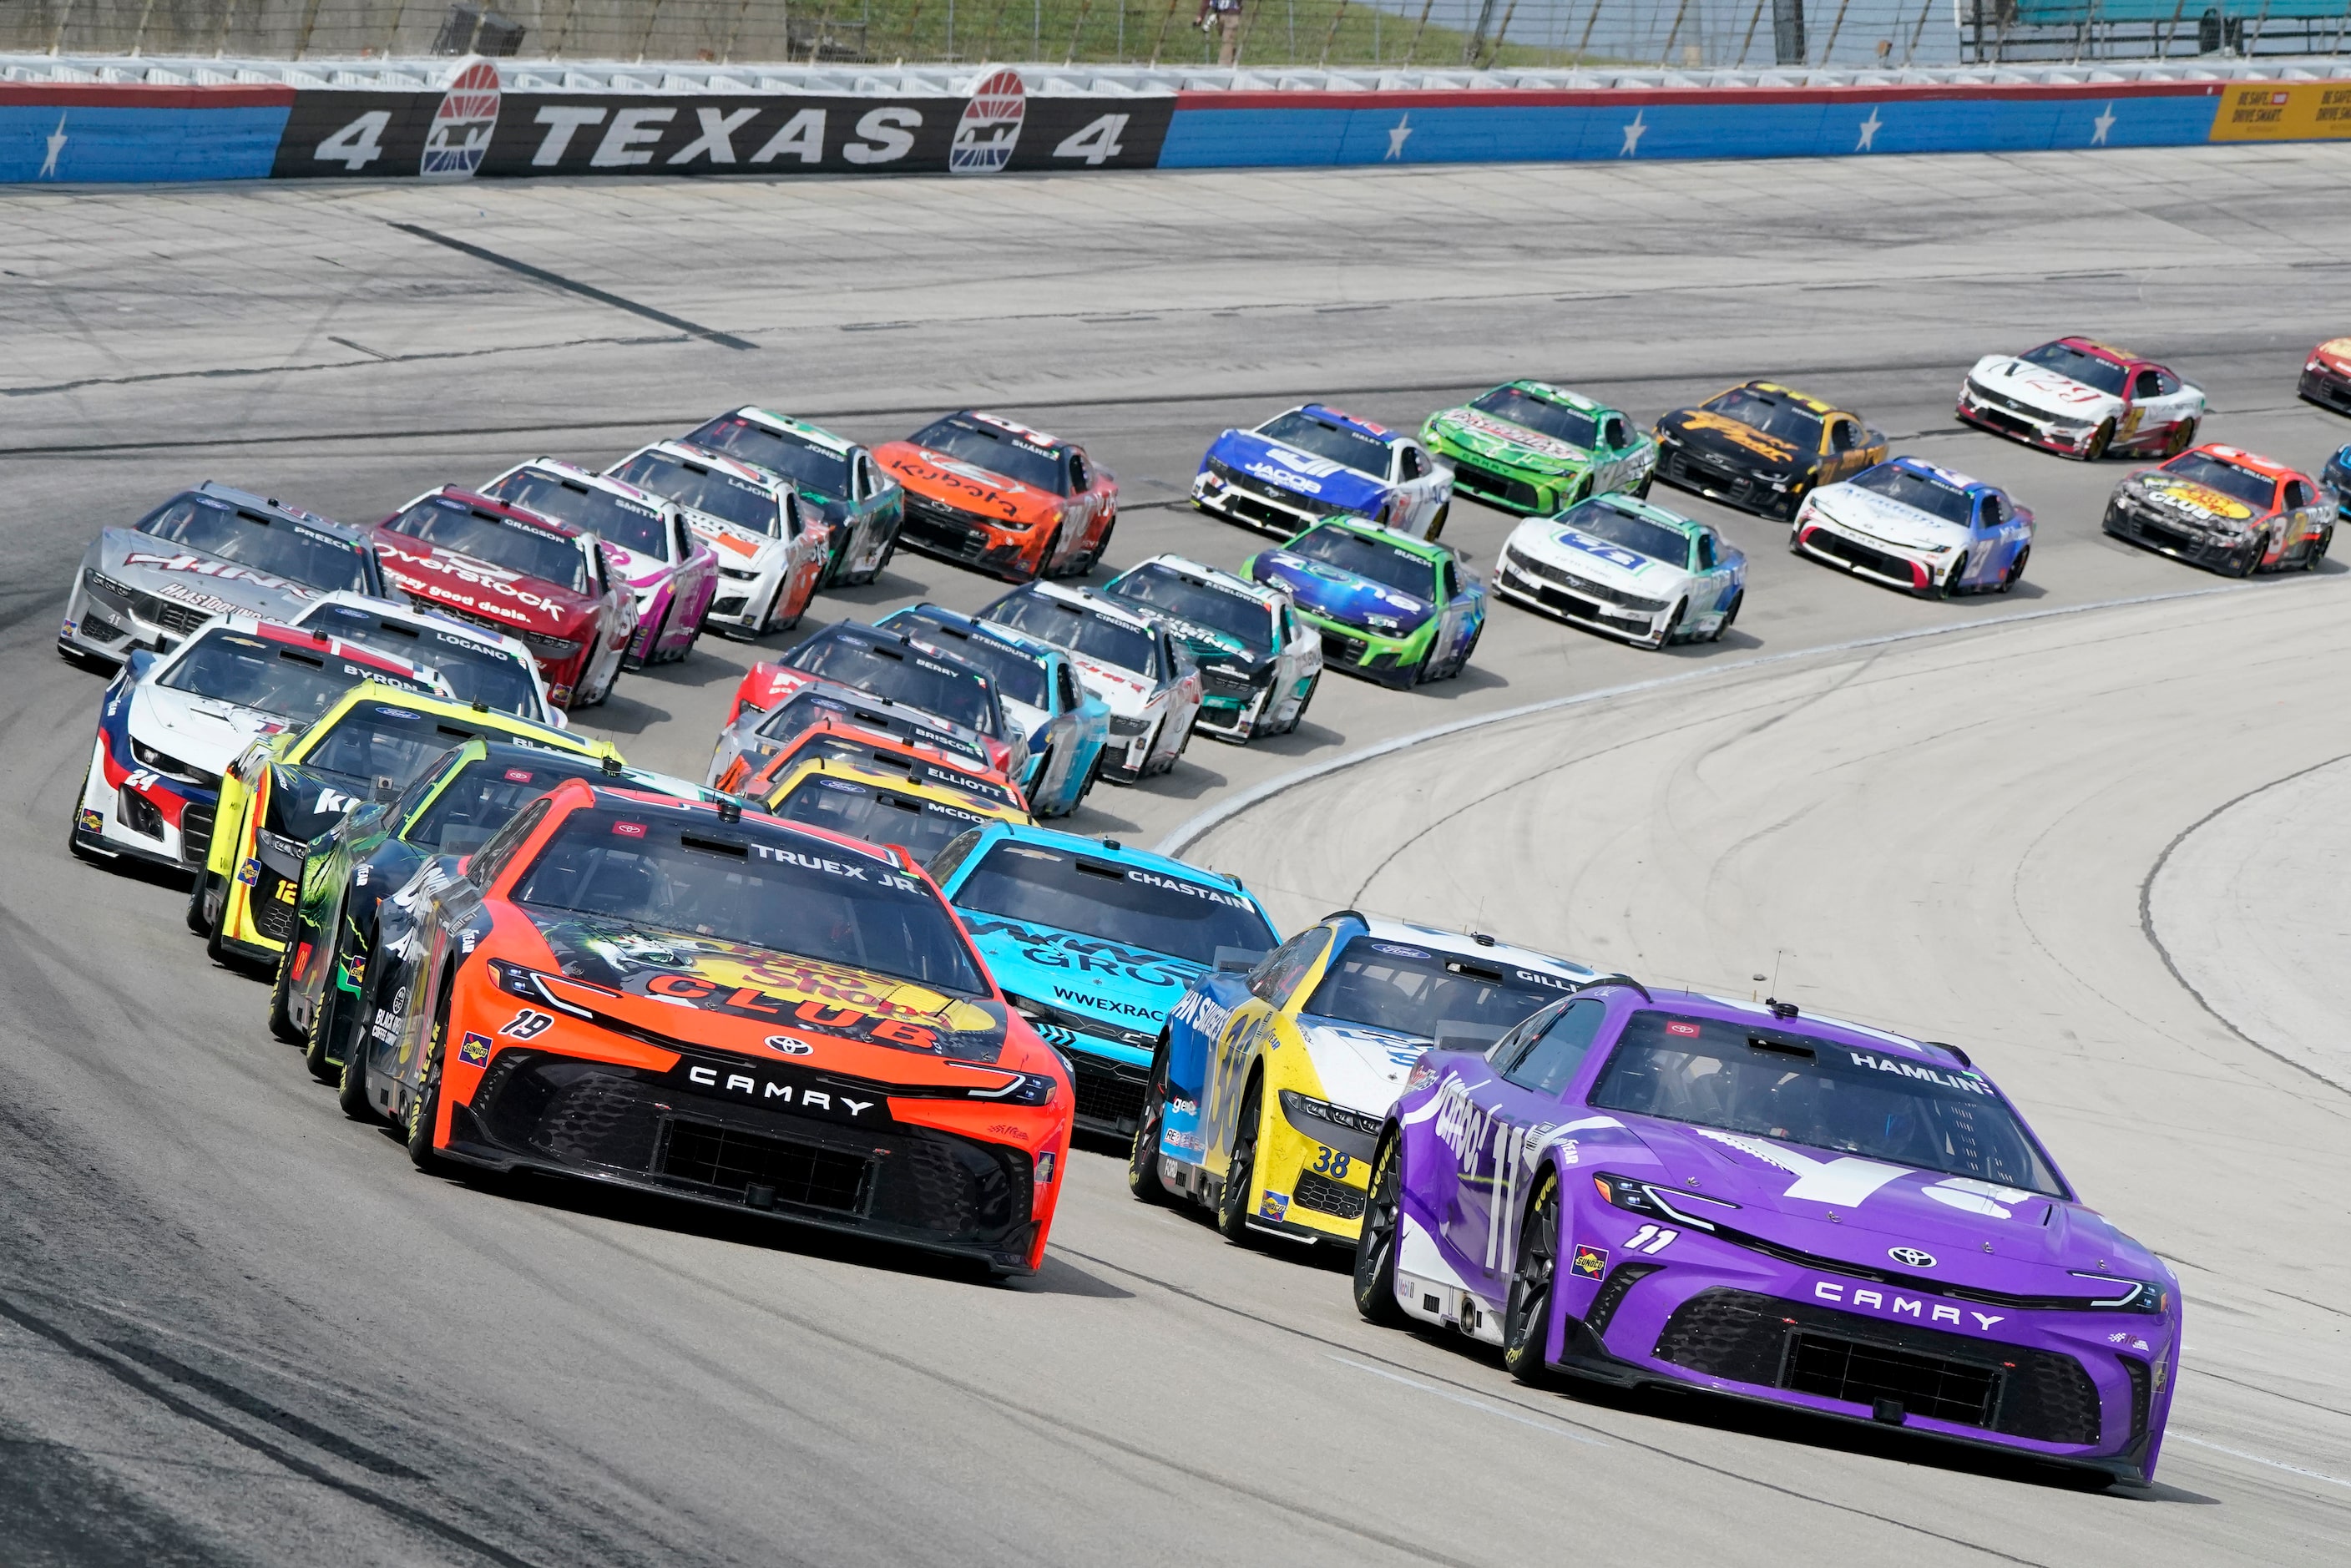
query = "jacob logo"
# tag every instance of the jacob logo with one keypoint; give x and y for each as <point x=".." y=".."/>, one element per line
<point x="990" y="127"/>
<point x="463" y="125"/>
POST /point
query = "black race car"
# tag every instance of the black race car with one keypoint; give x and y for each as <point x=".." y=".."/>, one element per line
<point x="1761" y="447"/>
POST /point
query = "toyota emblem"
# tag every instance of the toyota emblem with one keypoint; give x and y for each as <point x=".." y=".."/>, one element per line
<point x="791" y="1047"/>
<point x="1911" y="1258"/>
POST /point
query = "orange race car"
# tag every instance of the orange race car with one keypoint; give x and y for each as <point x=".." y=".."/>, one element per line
<point x="988" y="493"/>
<point x="2226" y="508"/>
<point x="713" y="1005"/>
<point x="854" y="735"/>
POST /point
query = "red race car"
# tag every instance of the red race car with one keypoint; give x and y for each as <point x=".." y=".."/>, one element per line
<point x="2326" y="375"/>
<point x="2226" y="508"/>
<point x="722" y="1007"/>
<point x="2082" y="398"/>
<point x="499" y="565"/>
<point x="988" y="493"/>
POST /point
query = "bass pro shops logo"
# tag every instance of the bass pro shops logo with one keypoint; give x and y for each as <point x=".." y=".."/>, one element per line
<point x="990" y="127"/>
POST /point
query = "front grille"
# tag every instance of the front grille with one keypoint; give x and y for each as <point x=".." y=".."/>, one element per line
<point x="1612" y="1292"/>
<point x="2325" y="385"/>
<point x="1323" y="1196"/>
<point x="158" y="612"/>
<point x="1693" y="473"/>
<point x="1108" y="1092"/>
<point x="272" y="914"/>
<point x="936" y="525"/>
<point x="196" y="834"/>
<point x="738" y="1162"/>
<point x="99" y="627"/>
<point x="918" y="1183"/>
<point x="1486" y="484"/>
<point x="1217" y="684"/>
<point x="1342" y="650"/>
<point x="1983" y="397"/>
<point x="1581" y="585"/>
<point x="2000" y="418"/>
<point x="1746" y="1337"/>
<point x="1256" y="511"/>
<point x="1854" y="553"/>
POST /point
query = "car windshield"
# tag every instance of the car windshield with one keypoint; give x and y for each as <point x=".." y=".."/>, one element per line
<point x="1185" y="596"/>
<point x="1079" y="629"/>
<point x="475" y="671"/>
<point x="1019" y="679"/>
<point x="749" y="883"/>
<point x="507" y="543"/>
<point x="2090" y="370"/>
<point x="890" y="669"/>
<point x="705" y="489"/>
<point x="1557" y="419"/>
<point x="1772" y="414"/>
<point x="1328" y="438"/>
<point x="289" y="682"/>
<point x="376" y="740"/>
<point x="1131" y="906"/>
<point x="478" y="801"/>
<point x="806" y="707"/>
<point x="915" y="823"/>
<point x="999" y="452"/>
<point x="1348" y="551"/>
<point x="1739" y="1077"/>
<point x="1603" y="520"/>
<point x="1923" y="491"/>
<point x="795" y="456"/>
<point x="277" y="546"/>
<point x="1410" y="990"/>
<point x="616" y="519"/>
<point x="2242" y="484"/>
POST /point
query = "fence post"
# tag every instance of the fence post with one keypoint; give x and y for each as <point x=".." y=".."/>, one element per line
<point x="2254" y="43"/>
<point x="1084" y="7"/>
<point x="1477" y="38"/>
<point x="138" y="33"/>
<point x="1835" y="28"/>
<point x="1156" y="44"/>
<point x="1583" y="44"/>
<point x="1494" y="45"/>
<point x="1331" y="37"/>
<point x="1413" y="47"/>
<point x="58" y="34"/>
<point x="2337" y="48"/>
<point x="1666" y="54"/>
<point x="228" y="20"/>
<point x="1755" y="20"/>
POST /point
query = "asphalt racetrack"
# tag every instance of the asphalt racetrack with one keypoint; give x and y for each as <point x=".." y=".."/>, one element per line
<point x="2091" y="830"/>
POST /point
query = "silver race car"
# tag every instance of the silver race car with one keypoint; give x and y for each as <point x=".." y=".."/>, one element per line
<point x="1124" y="657"/>
<point x="1627" y="568"/>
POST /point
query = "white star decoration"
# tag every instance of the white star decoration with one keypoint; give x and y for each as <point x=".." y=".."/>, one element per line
<point x="1633" y="136"/>
<point x="2105" y="122"/>
<point x="1869" y="131"/>
<point x="57" y="140"/>
<point x="1397" y="133"/>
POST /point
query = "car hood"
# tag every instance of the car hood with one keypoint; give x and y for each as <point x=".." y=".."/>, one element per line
<point x="2189" y="499"/>
<point x="1549" y="540"/>
<point x="1127" y="693"/>
<point x="1210" y="645"/>
<point x="1978" y="1234"/>
<point x="638" y="571"/>
<point x="765" y="1003"/>
<point x="1360" y="1067"/>
<point x="201" y="581"/>
<point x="1130" y="987"/>
<point x="1475" y="430"/>
<point x="965" y="486"/>
<point x="1335" y="595"/>
<point x="508" y="597"/>
<point x="2062" y="396"/>
<point x="1317" y="482"/>
<point x="733" y="545"/>
<point x="204" y="731"/>
<point x="1706" y="432"/>
<point x="2336" y="352"/>
<point x="1883" y="518"/>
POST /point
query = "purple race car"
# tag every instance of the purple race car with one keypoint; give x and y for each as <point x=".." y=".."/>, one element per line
<point x="1674" y="1188"/>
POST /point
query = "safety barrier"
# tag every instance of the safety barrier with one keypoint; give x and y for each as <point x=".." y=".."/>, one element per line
<point x="115" y="119"/>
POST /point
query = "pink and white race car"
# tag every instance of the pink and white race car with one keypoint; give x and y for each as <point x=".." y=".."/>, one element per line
<point x="2082" y="398"/>
<point x="771" y="550"/>
<point x="670" y="573"/>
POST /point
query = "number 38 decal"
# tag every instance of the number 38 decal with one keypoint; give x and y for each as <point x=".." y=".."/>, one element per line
<point x="1333" y="1163"/>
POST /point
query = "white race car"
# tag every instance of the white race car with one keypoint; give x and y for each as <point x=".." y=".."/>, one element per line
<point x="671" y="574"/>
<point x="2082" y="398"/>
<point x="172" y="724"/>
<point x="1910" y="525"/>
<point x="480" y="663"/>
<point x="1137" y="665"/>
<point x="771" y="550"/>
<point x="1625" y="567"/>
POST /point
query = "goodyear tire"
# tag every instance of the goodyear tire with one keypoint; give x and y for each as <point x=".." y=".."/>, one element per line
<point x="1526" y="1315"/>
<point x="1303" y="704"/>
<point x="1375" y="1245"/>
<point x="1102" y="547"/>
<point x="1950" y="586"/>
<point x="2099" y="443"/>
<point x="424" y="1105"/>
<point x="1234" y="1203"/>
<point x="2016" y="569"/>
<point x="630" y="660"/>
<point x="1436" y="523"/>
<point x="2181" y="439"/>
<point x="319" y="1044"/>
<point x="199" y="922"/>
<point x="1044" y="568"/>
<point x="216" y="934"/>
<point x="281" y="987"/>
<point x="1143" y="1157"/>
<point x="351" y="1086"/>
<point x="1461" y="660"/>
<point x="2318" y="549"/>
<point x="2253" y="554"/>
<point x="1673" y="624"/>
<point x="1738" y="600"/>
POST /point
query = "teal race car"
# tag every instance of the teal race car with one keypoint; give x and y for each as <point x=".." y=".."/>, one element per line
<point x="1390" y="607"/>
<point x="861" y="502"/>
<point x="1533" y="448"/>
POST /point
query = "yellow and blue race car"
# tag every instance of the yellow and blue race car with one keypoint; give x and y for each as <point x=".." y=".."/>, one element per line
<point x="282" y="792"/>
<point x="1271" y="1083"/>
<point x="866" y="798"/>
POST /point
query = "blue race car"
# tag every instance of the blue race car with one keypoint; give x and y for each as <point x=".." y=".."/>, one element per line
<point x="1909" y="523"/>
<point x="1314" y="462"/>
<point x="2337" y="480"/>
<point x="1067" y="727"/>
<point x="1093" y="943"/>
<point x="1390" y="607"/>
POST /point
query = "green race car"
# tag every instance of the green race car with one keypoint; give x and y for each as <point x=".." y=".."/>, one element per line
<point x="1533" y="449"/>
<point x="1390" y="607"/>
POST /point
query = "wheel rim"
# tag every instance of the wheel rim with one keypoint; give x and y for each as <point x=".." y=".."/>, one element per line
<point x="1241" y="1174"/>
<point x="1530" y="1281"/>
<point x="1145" y="1153"/>
<point x="1378" y="1244"/>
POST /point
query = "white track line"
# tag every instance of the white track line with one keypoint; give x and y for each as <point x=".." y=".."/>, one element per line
<point x="1195" y="827"/>
<point x="2256" y="1458"/>
<point x="1554" y="1428"/>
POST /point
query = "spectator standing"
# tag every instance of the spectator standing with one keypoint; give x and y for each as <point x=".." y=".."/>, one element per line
<point x="1223" y="16"/>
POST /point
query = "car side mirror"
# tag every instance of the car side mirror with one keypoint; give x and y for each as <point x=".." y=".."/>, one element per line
<point x="1237" y="960"/>
<point x="140" y="662"/>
